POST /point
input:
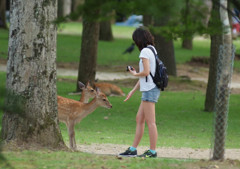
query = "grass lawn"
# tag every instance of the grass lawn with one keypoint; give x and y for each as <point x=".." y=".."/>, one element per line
<point x="110" y="53"/>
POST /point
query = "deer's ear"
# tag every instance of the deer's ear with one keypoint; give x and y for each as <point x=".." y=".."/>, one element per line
<point x="88" y="83"/>
<point x="81" y="85"/>
<point x="97" y="90"/>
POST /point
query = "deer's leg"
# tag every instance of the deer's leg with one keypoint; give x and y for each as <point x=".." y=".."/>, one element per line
<point x="71" y="134"/>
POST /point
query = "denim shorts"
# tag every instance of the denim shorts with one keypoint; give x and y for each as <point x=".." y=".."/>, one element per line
<point x="151" y="95"/>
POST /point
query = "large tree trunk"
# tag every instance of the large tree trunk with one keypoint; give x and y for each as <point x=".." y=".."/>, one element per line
<point x="3" y="23"/>
<point x="105" y="33"/>
<point x="216" y="41"/>
<point x="30" y="117"/>
<point x="88" y="58"/>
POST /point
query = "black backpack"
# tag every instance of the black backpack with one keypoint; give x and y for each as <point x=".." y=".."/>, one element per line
<point x="160" y="78"/>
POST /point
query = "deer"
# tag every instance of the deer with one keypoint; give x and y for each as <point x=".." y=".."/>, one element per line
<point x="110" y="89"/>
<point x="72" y="112"/>
<point x="87" y="92"/>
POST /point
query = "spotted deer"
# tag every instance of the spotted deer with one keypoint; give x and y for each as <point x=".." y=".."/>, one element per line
<point x="87" y="92"/>
<point x="72" y="112"/>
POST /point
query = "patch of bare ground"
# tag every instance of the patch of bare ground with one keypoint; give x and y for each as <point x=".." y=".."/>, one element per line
<point x="163" y="152"/>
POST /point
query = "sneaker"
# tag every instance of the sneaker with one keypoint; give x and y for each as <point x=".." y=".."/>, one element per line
<point x="148" y="154"/>
<point x="129" y="153"/>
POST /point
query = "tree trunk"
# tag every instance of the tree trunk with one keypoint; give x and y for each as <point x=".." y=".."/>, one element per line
<point x="165" y="49"/>
<point x="64" y="7"/>
<point x="187" y="34"/>
<point x="216" y="41"/>
<point x="105" y="32"/>
<point x="60" y="8"/>
<point x="3" y="23"/>
<point x="76" y="3"/>
<point x="88" y="58"/>
<point x="225" y="67"/>
<point x="67" y="6"/>
<point x="30" y="117"/>
<point x="187" y="44"/>
<point x="147" y="20"/>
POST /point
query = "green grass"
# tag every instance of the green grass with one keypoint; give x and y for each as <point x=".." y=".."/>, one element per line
<point x="72" y="160"/>
<point x="78" y="160"/>
<point x="110" y="53"/>
<point x="180" y="119"/>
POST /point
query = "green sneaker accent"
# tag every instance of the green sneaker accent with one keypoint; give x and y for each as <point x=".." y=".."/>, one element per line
<point x="129" y="153"/>
<point x="148" y="154"/>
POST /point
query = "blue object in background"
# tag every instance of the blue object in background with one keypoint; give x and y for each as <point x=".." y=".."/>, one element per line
<point x="133" y="20"/>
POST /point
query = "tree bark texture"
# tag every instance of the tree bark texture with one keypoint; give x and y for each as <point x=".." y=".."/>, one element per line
<point x="88" y="58"/>
<point x="216" y="41"/>
<point x="3" y="23"/>
<point x="105" y="33"/>
<point x="30" y="116"/>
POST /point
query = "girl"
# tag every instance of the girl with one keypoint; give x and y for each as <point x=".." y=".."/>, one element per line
<point x="150" y="93"/>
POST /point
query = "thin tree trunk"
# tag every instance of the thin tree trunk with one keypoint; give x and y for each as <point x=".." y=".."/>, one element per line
<point x="64" y="7"/>
<point x="3" y="23"/>
<point x="216" y="41"/>
<point x="88" y="58"/>
<point x="67" y="6"/>
<point x="30" y="117"/>
<point x="223" y="85"/>
<point x="76" y="3"/>
<point x="187" y="34"/>
<point x="187" y="43"/>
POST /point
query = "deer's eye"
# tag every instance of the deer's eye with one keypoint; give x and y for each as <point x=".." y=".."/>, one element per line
<point x="104" y="100"/>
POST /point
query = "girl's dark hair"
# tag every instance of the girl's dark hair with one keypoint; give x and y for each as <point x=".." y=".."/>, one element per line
<point x="142" y="37"/>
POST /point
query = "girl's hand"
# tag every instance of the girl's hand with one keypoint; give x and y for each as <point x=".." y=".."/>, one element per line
<point x="132" y="71"/>
<point x="129" y="95"/>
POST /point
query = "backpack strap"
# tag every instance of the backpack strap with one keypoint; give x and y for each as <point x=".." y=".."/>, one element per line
<point x="151" y="48"/>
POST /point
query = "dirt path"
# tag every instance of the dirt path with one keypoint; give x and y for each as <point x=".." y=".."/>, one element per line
<point x="179" y="153"/>
<point x="193" y="72"/>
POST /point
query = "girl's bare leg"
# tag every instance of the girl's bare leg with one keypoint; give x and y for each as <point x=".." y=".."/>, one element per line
<point x="149" y="114"/>
<point x="140" y="125"/>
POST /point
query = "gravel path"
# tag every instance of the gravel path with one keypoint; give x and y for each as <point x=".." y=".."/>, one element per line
<point x="179" y="153"/>
<point x="183" y="71"/>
